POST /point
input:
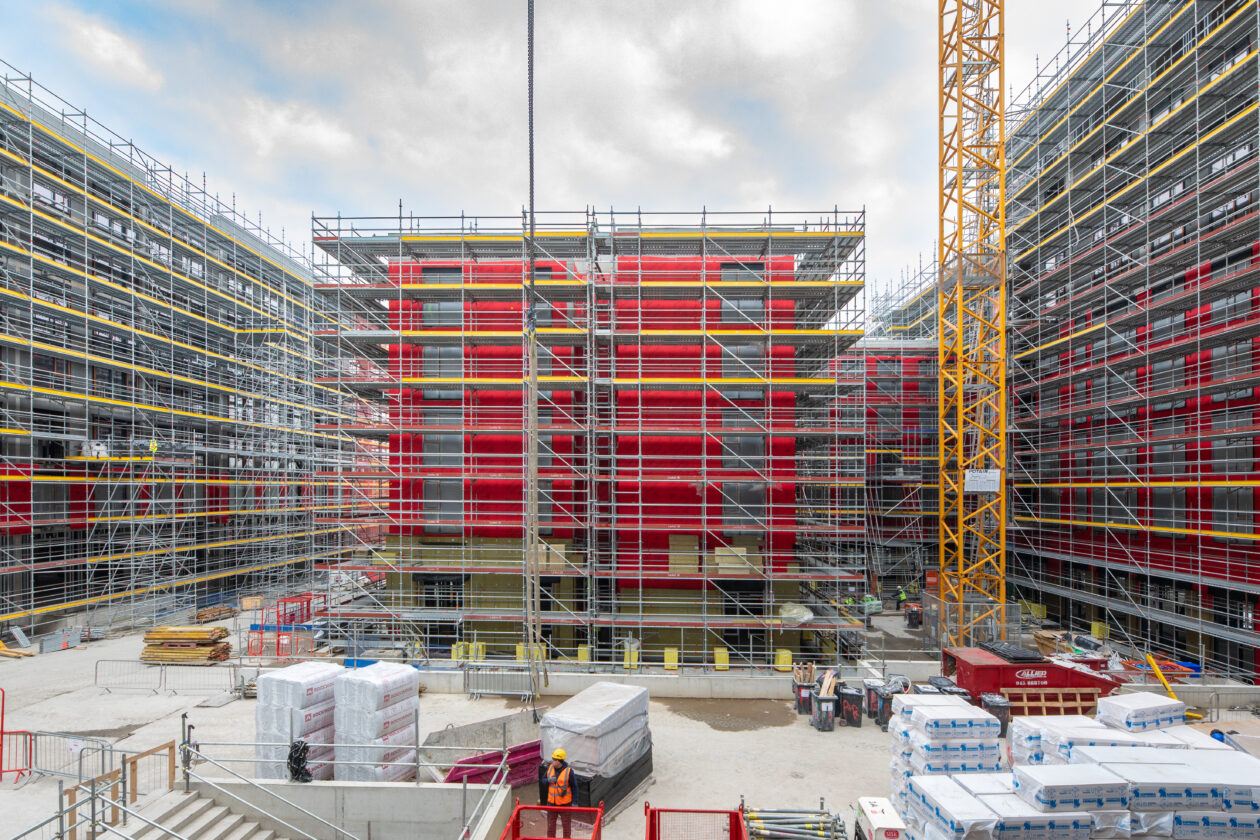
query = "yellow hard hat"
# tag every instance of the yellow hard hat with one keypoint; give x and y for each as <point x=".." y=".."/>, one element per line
<point x="559" y="754"/>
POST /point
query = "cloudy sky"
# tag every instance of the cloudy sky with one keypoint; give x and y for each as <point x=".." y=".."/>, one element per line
<point x="301" y="106"/>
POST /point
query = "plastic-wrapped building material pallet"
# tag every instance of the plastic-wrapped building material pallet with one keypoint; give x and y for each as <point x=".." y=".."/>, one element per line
<point x="987" y="784"/>
<point x="1078" y="787"/>
<point x="1059" y="743"/>
<point x="950" y="808"/>
<point x="604" y="729"/>
<point x="1196" y="739"/>
<point x="357" y="725"/>
<point x="287" y="723"/>
<point x="923" y="766"/>
<point x="298" y="686"/>
<point x="372" y="760"/>
<point x="904" y="704"/>
<point x="1026" y="734"/>
<point x="376" y="686"/>
<point x="1169" y="787"/>
<point x="984" y="749"/>
<point x="1141" y="711"/>
<point x="1017" y="820"/>
<point x="1122" y="755"/>
<point x="963" y="721"/>
<point x="1215" y="825"/>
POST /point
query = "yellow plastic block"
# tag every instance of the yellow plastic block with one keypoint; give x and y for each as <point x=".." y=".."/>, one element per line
<point x="584" y="653"/>
<point x="520" y="652"/>
<point x="478" y="651"/>
<point x="782" y="659"/>
<point x="459" y="651"/>
<point x="631" y="659"/>
<point x="1099" y="630"/>
<point x="671" y="659"/>
<point x="721" y="659"/>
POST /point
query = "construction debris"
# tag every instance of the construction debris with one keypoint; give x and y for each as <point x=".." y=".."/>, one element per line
<point x="188" y="645"/>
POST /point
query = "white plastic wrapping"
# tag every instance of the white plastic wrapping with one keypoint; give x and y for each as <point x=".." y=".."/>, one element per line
<point x="1110" y="823"/>
<point x="397" y="746"/>
<point x="987" y="784"/>
<point x="1196" y="739"/>
<point x="1026" y="734"/>
<point x="904" y="704"/>
<point x="1124" y="755"/>
<point x="376" y="686"/>
<point x="1151" y="823"/>
<point x="282" y="723"/>
<point x="1169" y="787"/>
<point x="1017" y="820"/>
<point x="1141" y="711"/>
<point x="1058" y="742"/>
<point x="956" y="812"/>
<point x="603" y="729"/>
<point x="981" y="749"/>
<point x="936" y="765"/>
<point x="959" y="721"/>
<point x="298" y="686"/>
<point x="1215" y="825"/>
<point x="1079" y="787"/>
<point x="364" y="725"/>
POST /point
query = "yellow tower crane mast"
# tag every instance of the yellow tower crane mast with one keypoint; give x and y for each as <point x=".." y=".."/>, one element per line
<point x="971" y="322"/>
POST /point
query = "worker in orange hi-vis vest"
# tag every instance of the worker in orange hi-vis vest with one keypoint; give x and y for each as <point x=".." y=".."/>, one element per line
<point x="559" y="792"/>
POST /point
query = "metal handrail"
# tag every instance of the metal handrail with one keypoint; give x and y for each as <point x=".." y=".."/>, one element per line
<point x="191" y="751"/>
<point x="497" y="778"/>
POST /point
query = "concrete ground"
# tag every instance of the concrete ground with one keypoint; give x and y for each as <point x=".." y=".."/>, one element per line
<point x="707" y="753"/>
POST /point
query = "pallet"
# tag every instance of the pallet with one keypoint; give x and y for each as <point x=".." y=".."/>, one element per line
<point x="1052" y="701"/>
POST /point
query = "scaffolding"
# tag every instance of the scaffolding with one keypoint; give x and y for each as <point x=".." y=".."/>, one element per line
<point x="1134" y="247"/>
<point x="700" y="415"/>
<point x="158" y="399"/>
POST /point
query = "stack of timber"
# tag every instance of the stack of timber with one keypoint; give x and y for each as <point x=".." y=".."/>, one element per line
<point x="804" y="672"/>
<point x="214" y="614"/>
<point x="187" y="645"/>
<point x="13" y="653"/>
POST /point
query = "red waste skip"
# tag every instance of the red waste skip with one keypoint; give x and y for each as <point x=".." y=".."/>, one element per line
<point x="982" y="672"/>
<point x="679" y="824"/>
<point x="549" y="822"/>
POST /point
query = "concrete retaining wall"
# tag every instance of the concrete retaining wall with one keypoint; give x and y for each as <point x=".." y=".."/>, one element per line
<point x="730" y="685"/>
<point x="381" y="811"/>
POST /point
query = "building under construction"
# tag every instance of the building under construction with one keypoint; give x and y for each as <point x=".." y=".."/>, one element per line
<point x="158" y="394"/>
<point x="1134" y="252"/>
<point x="700" y="429"/>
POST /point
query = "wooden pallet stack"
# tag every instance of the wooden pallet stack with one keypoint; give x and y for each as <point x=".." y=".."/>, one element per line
<point x="186" y="645"/>
<point x="214" y="614"/>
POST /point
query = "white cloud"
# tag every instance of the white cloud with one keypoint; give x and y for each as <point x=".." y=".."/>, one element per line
<point x="107" y="51"/>
<point x="729" y="104"/>
<point x="291" y="128"/>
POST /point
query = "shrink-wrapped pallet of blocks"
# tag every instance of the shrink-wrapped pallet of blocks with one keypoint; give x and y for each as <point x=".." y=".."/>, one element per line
<point x="1049" y="739"/>
<point x="605" y="735"/>
<point x="1080" y="787"/>
<point x="293" y="703"/>
<point x="375" y="720"/>
<point x="1141" y="711"/>
<point x="938" y="734"/>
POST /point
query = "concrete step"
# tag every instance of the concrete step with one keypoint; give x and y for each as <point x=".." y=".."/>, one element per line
<point x="205" y="822"/>
<point x="243" y="831"/>
<point x="191" y="807"/>
<point x="220" y="830"/>
<point x="161" y="808"/>
<point x="263" y="834"/>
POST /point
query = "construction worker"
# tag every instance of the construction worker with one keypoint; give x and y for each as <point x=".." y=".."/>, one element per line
<point x="559" y="792"/>
<point x="901" y="598"/>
